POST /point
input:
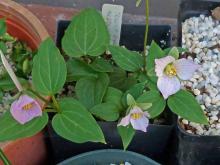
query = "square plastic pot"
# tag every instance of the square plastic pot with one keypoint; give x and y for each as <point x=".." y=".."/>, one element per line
<point x="193" y="149"/>
<point x="153" y="143"/>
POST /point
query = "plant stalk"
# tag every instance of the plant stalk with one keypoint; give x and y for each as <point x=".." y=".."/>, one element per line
<point x="4" y="158"/>
<point x="146" y="33"/>
<point x="55" y="103"/>
<point x="39" y="96"/>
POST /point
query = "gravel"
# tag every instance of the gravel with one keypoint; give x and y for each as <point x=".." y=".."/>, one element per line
<point x="201" y="36"/>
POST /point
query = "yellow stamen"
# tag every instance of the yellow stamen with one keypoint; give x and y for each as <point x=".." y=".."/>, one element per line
<point x="136" y="116"/>
<point x="170" y="70"/>
<point x="27" y="106"/>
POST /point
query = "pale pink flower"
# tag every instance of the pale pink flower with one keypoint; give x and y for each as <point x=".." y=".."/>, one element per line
<point x="25" y="109"/>
<point x="138" y="119"/>
<point x="170" y="71"/>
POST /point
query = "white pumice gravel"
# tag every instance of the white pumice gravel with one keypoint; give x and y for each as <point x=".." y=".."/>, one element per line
<point x="5" y="101"/>
<point x="201" y="36"/>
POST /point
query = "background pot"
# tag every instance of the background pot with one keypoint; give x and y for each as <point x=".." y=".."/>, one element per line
<point x="194" y="149"/>
<point x="106" y="157"/>
<point x="23" y="25"/>
<point x="153" y="143"/>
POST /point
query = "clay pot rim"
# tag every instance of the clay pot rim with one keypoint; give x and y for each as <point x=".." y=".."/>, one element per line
<point x="32" y="20"/>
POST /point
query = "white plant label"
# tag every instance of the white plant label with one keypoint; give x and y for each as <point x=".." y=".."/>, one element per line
<point x="113" y="17"/>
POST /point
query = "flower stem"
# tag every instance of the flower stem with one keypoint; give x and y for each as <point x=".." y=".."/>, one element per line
<point x="55" y="103"/>
<point x="39" y="96"/>
<point x="146" y="33"/>
<point x="4" y="158"/>
<point x="50" y="110"/>
<point x="47" y="102"/>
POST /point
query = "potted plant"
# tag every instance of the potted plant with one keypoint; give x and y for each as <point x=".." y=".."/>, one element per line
<point x="153" y="146"/>
<point x="82" y="86"/>
<point x="198" y="139"/>
<point x="24" y="34"/>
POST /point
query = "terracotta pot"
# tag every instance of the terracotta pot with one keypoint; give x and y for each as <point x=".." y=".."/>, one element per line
<point x="23" y="25"/>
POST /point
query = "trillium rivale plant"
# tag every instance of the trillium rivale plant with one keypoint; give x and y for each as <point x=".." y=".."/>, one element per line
<point x="127" y="87"/>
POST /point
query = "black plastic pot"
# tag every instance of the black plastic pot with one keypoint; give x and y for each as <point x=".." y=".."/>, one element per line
<point x="194" y="149"/>
<point x="152" y="144"/>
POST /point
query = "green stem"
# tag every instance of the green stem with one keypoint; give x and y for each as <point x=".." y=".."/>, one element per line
<point x="47" y="102"/>
<point x="4" y="158"/>
<point x="146" y="33"/>
<point x="50" y="110"/>
<point x="55" y="103"/>
<point x="39" y="96"/>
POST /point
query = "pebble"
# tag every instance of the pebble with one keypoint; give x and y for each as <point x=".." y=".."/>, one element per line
<point x="184" y="121"/>
<point x="199" y="35"/>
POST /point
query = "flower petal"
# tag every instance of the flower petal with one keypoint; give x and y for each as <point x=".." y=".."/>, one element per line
<point x="185" y="68"/>
<point x="168" y="85"/>
<point x="125" y="121"/>
<point x="140" y="124"/>
<point x="23" y="100"/>
<point x="135" y="109"/>
<point x="160" y="64"/>
<point x="24" y="116"/>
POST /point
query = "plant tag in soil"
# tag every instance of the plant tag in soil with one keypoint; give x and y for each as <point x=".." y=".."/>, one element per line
<point x="113" y="17"/>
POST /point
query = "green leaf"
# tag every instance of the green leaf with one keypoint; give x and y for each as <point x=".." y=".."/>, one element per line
<point x="136" y="90"/>
<point x="126" y="59"/>
<point x="114" y="96"/>
<point x="6" y="84"/>
<point x="3" y="27"/>
<point x="151" y="85"/>
<point x="86" y="35"/>
<point x="158" y="103"/>
<point x="106" y="111"/>
<point x="130" y="100"/>
<point x="185" y="105"/>
<point x="3" y="47"/>
<point x="180" y="50"/>
<point x="90" y="91"/>
<point x="144" y="106"/>
<point x="120" y="80"/>
<point x="75" y="123"/>
<point x="77" y="69"/>
<point x="127" y="134"/>
<point x="49" y="69"/>
<point x="155" y="52"/>
<point x="10" y="129"/>
<point x="101" y="65"/>
<point x="174" y="52"/>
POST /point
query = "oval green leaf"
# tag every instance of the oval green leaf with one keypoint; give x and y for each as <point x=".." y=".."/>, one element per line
<point x="86" y="35"/>
<point x="127" y="134"/>
<point x="75" y="123"/>
<point x="126" y="59"/>
<point x="90" y="91"/>
<point x="184" y="104"/>
<point x="49" y="69"/>
<point x="158" y="103"/>
<point x="114" y="96"/>
<point x="78" y="69"/>
<point x="106" y="111"/>
<point x="120" y="80"/>
<point x="101" y="65"/>
<point x="10" y="129"/>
